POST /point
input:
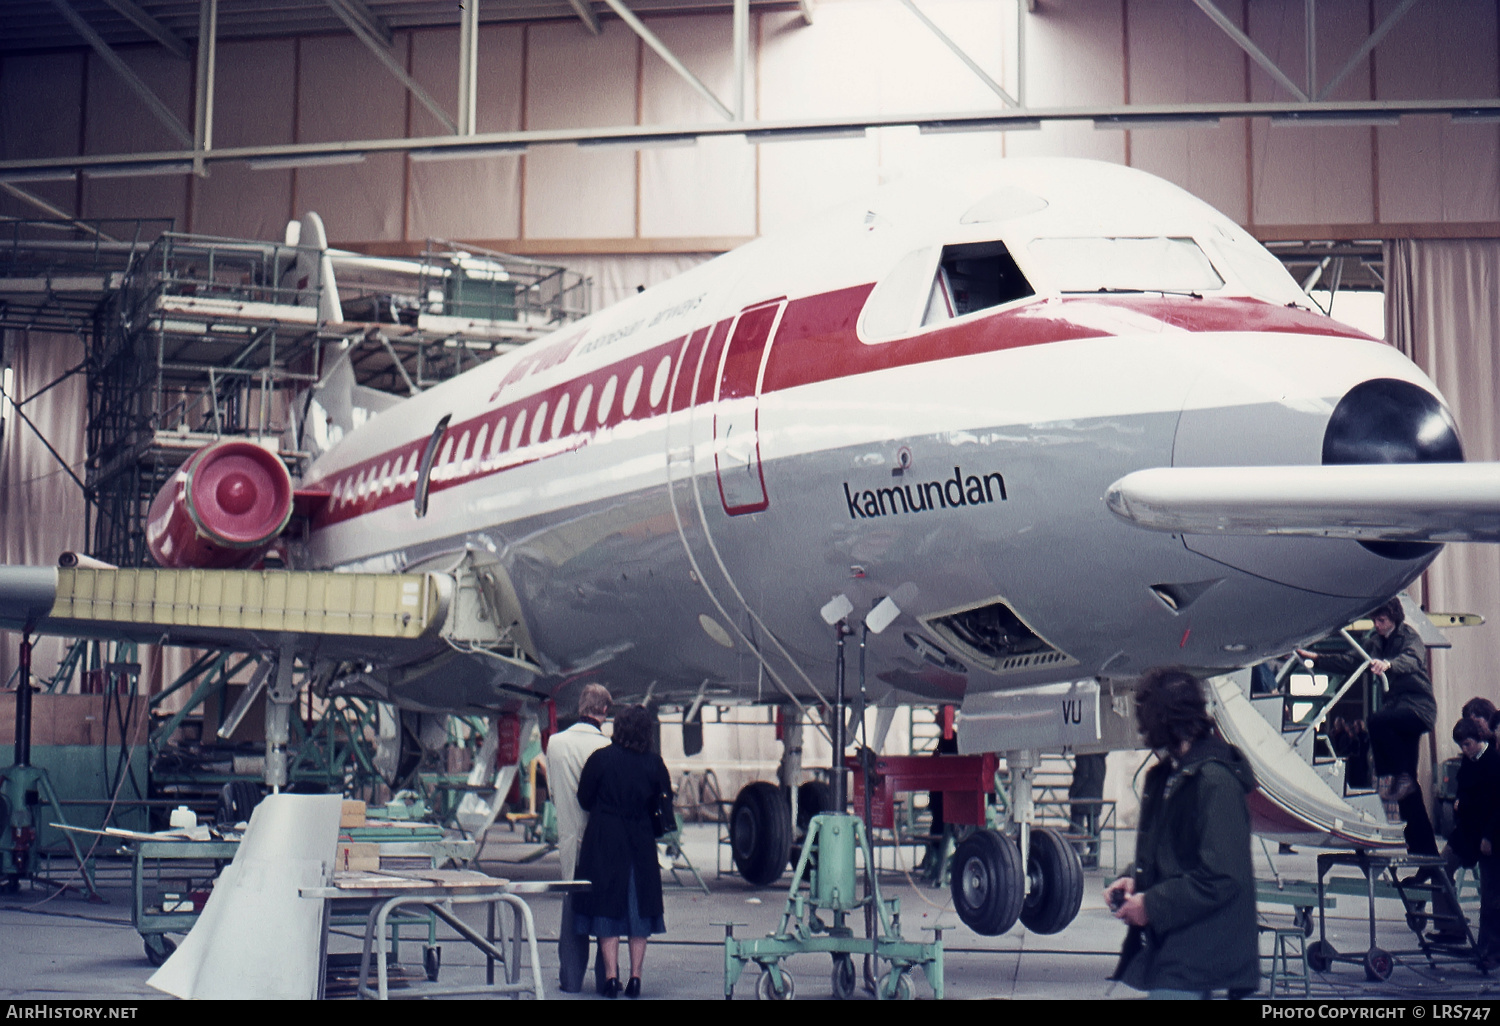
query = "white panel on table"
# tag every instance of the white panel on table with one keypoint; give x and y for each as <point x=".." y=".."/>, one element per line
<point x="344" y="92"/>
<point x="477" y="198"/>
<point x="577" y="80"/>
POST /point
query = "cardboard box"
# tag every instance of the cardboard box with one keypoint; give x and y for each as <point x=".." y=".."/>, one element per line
<point x="352" y="816"/>
<point x="357" y="857"/>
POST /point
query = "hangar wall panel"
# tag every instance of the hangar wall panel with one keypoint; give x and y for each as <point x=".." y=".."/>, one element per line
<point x="1431" y="168"/>
<point x="467" y="199"/>
<point x="707" y="189"/>
<point x="358" y="201"/>
<point x="616" y="276"/>
<point x="118" y="121"/>
<point x="1176" y="55"/>
<point x="576" y="79"/>
<point x="1074" y="56"/>
<point x="50" y="121"/>
<point x="1310" y="175"/>
<point x="254" y="102"/>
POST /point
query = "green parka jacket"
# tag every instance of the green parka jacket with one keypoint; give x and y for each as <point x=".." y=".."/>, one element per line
<point x="1194" y="867"/>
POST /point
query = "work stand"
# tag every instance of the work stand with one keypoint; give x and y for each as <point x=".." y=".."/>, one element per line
<point x="1382" y="878"/>
<point x="826" y="881"/>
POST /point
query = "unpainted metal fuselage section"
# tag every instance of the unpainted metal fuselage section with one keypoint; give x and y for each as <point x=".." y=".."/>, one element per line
<point x="668" y="491"/>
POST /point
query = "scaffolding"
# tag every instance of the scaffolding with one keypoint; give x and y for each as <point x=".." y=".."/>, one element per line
<point x="193" y="338"/>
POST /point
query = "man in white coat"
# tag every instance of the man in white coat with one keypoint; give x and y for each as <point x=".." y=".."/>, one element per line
<point x="567" y="751"/>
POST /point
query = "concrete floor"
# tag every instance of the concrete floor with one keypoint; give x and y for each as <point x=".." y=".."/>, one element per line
<point x="68" y="948"/>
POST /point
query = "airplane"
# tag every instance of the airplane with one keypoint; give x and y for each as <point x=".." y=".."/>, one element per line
<point x="1061" y="419"/>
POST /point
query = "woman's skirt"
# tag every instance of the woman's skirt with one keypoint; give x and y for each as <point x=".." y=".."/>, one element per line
<point x="632" y="925"/>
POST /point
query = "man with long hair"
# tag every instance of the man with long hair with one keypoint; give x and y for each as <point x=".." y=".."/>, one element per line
<point x="1190" y="899"/>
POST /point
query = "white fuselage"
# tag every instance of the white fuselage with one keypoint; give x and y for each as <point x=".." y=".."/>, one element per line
<point x="676" y="485"/>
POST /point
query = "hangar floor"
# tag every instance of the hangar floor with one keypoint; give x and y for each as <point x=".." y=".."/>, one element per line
<point x="70" y="949"/>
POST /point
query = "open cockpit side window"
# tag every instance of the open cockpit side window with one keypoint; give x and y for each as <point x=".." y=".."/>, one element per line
<point x="977" y="277"/>
<point x="930" y="286"/>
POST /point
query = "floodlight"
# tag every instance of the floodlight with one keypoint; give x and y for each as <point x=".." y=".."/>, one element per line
<point x="882" y="616"/>
<point x="837" y="608"/>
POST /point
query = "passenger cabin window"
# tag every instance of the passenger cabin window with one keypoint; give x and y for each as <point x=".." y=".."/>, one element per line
<point x="929" y="287"/>
<point x="1126" y="265"/>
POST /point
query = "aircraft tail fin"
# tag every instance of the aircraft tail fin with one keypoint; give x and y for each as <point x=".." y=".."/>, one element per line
<point x="314" y="270"/>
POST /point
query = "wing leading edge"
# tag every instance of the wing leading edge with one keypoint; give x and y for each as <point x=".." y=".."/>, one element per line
<point x="1422" y="502"/>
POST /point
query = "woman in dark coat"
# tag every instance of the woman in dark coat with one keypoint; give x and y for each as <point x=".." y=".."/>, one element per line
<point x="1190" y="901"/>
<point x="618" y="787"/>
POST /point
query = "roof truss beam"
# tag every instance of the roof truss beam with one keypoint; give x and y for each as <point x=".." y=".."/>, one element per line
<point x="377" y="38"/>
<point x="586" y="15"/>
<point x="140" y="88"/>
<point x="650" y="39"/>
<point x="958" y="51"/>
<point x="153" y="28"/>
<point x="1311" y="91"/>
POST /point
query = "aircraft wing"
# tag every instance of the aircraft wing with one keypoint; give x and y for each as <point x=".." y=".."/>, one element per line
<point x="1422" y="502"/>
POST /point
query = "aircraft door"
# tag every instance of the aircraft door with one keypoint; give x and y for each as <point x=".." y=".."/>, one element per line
<point x="742" y="485"/>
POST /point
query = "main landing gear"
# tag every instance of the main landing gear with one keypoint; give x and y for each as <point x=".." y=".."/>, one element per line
<point x="991" y="892"/>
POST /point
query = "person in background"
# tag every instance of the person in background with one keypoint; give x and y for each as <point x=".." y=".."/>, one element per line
<point x="1475" y="841"/>
<point x="1087" y="783"/>
<point x="1190" y="901"/>
<point x="619" y="788"/>
<point x="1406" y="712"/>
<point x="567" y="753"/>
<point x="1482" y="711"/>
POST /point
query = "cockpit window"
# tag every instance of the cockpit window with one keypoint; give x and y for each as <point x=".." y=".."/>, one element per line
<point x="977" y="277"/>
<point x="1126" y="265"/>
<point x="929" y="286"/>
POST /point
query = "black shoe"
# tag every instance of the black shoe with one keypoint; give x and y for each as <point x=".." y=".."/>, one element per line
<point x="612" y="987"/>
<point x="633" y="988"/>
<point x="1447" y="937"/>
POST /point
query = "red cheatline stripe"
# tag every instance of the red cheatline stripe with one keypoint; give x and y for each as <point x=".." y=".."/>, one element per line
<point x="816" y="342"/>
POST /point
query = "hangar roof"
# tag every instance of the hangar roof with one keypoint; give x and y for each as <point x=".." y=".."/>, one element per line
<point x="27" y="25"/>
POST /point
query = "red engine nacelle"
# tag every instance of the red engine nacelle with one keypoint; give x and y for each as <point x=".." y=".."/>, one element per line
<point x="224" y="508"/>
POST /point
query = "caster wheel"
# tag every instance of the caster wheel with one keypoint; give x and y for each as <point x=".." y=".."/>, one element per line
<point x="158" y="948"/>
<point x="1378" y="965"/>
<point x="843" y="977"/>
<point x="765" y="989"/>
<point x="898" y="990"/>
<point x="1320" y="956"/>
<point x="432" y="962"/>
<point x="1303" y="920"/>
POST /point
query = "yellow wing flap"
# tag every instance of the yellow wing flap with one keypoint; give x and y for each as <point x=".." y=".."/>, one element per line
<point x="404" y="606"/>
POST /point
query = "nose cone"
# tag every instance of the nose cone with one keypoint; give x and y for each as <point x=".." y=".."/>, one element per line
<point x="1387" y="420"/>
<point x="1391" y="421"/>
<point x="1301" y="400"/>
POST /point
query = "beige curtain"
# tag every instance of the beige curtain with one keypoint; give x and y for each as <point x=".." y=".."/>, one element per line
<point x="42" y="509"/>
<point x="1443" y="310"/>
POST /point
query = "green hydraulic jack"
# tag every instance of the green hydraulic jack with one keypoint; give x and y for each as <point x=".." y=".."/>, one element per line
<point x="23" y="787"/>
<point x="826" y="881"/>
